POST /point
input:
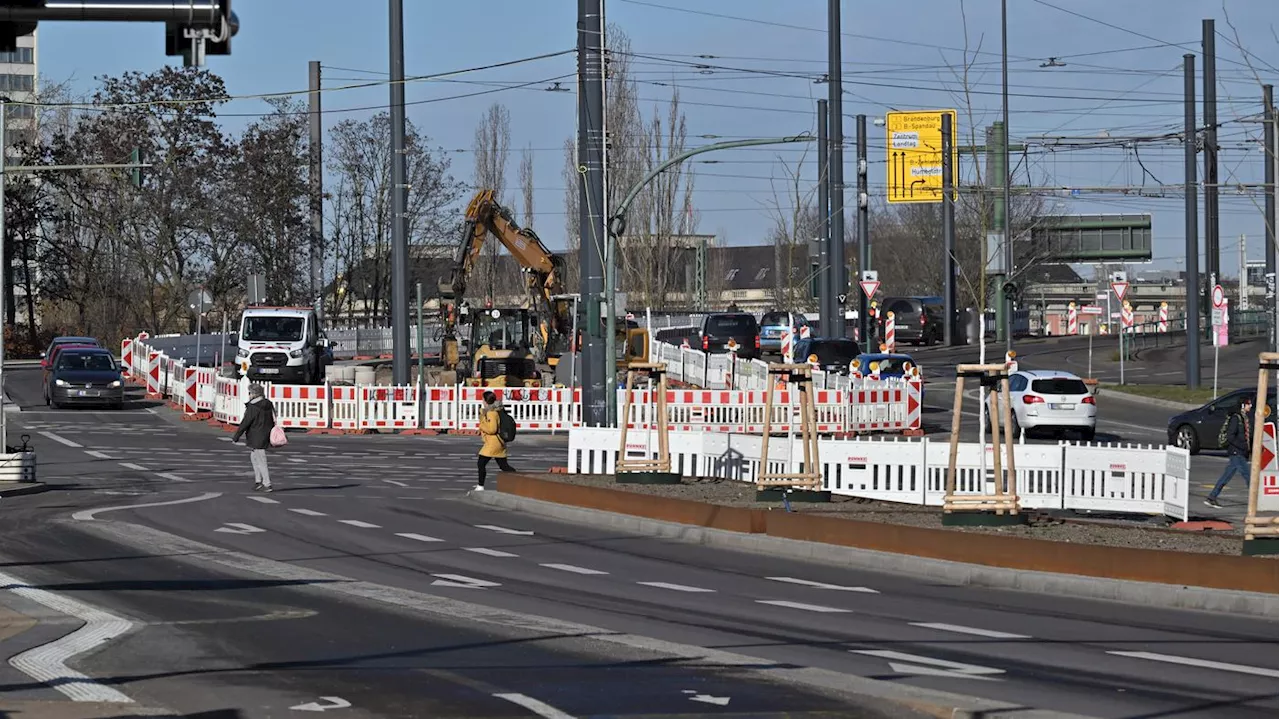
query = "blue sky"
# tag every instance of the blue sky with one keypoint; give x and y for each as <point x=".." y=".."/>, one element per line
<point x="1123" y="75"/>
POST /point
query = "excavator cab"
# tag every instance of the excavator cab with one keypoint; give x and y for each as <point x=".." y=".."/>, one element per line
<point x="501" y="350"/>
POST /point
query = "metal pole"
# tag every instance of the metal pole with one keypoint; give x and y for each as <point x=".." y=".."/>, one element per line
<point x="1269" y="195"/>
<point x="948" y="235"/>
<point x="1193" y="242"/>
<point x="825" y="287"/>
<point x="1212" y="244"/>
<point x="422" y="355"/>
<point x="1008" y="208"/>
<point x="399" y="202"/>
<point x="591" y="213"/>
<point x="199" y="322"/>
<point x="835" y="135"/>
<point x="315" y="175"/>
<point x="864" y="231"/>
<point x="4" y="161"/>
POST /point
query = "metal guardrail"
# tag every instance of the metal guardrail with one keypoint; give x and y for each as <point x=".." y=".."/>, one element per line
<point x="1243" y="325"/>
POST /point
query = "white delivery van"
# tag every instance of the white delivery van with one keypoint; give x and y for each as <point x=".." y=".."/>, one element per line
<point x="282" y="344"/>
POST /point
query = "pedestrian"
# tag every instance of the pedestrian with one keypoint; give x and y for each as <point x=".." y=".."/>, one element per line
<point x="256" y="425"/>
<point x="1239" y="443"/>
<point x="494" y="447"/>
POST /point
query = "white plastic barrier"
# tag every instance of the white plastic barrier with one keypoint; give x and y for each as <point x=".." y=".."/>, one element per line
<point x="388" y="407"/>
<point x="439" y="408"/>
<point x="533" y="408"/>
<point x="228" y="406"/>
<point x="345" y="408"/>
<point x="155" y="377"/>
<point x="1269" y="479"/>
<point x="300" y="405"/>
<point x="1122" y="479"/>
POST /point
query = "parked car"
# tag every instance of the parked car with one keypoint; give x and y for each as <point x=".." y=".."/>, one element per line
<point x="890" y="364"/>
<point x="917" y="320"/>
<point x="716" y="332"/>
<point x="60" y="341"/>
<point x="1054" y="401"/>
<point x="774" y="324"/>
<point x="834" y="353"/>
<point x="1198" y="429"/>
<point x="84" y="376"/>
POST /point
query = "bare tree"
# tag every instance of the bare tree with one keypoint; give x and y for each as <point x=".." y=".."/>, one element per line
<point x="796" y="220"/>
<point x="526" y="184"/>
<point x="491" y="145"/>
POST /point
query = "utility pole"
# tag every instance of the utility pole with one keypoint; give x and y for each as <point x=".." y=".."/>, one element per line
<point x="1006" y="302"/>
<point x="597" y="366"/>
<point x="1193" y="242"/>
<point x="1244" y="274"/>
<point x="948" y="236"/>
<point x="835" y="132"/>
<point x="864" y="232"/>
<point x="399" y="203"/>
<point x="1212" y="245"/>
<point x="1269" y="207"/>
<point x="315" y="174"/>
<point x="825" y="287"/>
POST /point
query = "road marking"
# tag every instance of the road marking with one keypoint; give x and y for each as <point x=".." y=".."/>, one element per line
<point x="47" y="663"/>
<point x="674" y="587"/>
<point x="571" y="568"/>
<point x="99" y="455"/>
<point x="489" y="552"/>
<point x="458" y="580"/>
<point x="238" y="528"/>
<point x="707" y="698"/>
<point x="172" y="477"/>
<point x="330" y="703"/>
<point x="89" y="515"/>
<point x="968" y="630"/>
<point x="546" y="711"/>
<point x="358" y="523"/>
<point x="295" y="460"/>
<point x="265" y="500"/>
<point x="503" y="530"/>
<point x="135" y="467"/>
<point x="912" y="664"/>
<point x="307" y="512"/>
<point x="60" y="439"/>
<point x="1203" y="663"/>
<point x="801" y="605"/>
<point x="418" y="537"/>
<point x="396" y="482"/>
<point x="822" y="585"/>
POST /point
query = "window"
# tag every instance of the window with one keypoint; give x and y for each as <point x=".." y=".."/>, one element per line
<point x="22" y="55"/>
<point x="272" y="329"/>
<point x="20" y="112"/>
<point x="92" y="361"/>
<point x="17" y="83"/>
<point x="17" y="137"/>
<point x="761" y="274"/>
<point x="732" y="274"/>
<point x="731" y="324"/>
<point x="1017" y="383"/>
<point x="1059" y="385"/>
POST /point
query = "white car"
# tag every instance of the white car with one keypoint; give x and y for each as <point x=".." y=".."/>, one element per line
<point x="1049" y="400"/>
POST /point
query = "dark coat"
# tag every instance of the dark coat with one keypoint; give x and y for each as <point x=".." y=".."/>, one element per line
<point x="1238" y="440"/>
<point x="259" y="418"/>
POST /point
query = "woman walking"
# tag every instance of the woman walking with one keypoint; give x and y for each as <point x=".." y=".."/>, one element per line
<point x="256" y="425"/>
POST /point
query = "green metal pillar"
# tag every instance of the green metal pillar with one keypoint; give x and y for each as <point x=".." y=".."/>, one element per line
<point x="996" y="172"/>
<point x="700" y="276"/>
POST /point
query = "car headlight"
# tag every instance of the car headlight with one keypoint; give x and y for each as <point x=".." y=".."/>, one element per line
<point x="61" y="383"/>
<point x="242" y="353"/>
<point x="115" y="383"/>
<point x="295" y="353"/>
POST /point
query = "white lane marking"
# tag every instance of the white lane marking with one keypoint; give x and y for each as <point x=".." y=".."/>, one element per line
<point x="60" y="439"/>
<point x="1203" y="663"/>
<point x="675" y="587"/>
<point x="572" y="568"/>
<point x="968" y="630"/>
<point x="489" y="552"/>
<point x="358" y="523"/>
<point x="546" y="711"/>
<point x="707" y="698"/>
<point x="822" y="585"/>
<point x="172" y="477"/>
<point x="47" y="663"/>
<point x="265" y="500"/>
<point x="458" y="580"/>
<point x="238" y="528"/>
<point x="913" y="664"/>
<point x="135" y="467"/>
<point x="396" y="482"/>
<point x="295" y="460"/>
<point x="418" y="537"/>
<point x="89" y="515"/>
<point x="503" y="530"/>
<point x="330" y="703"/>
<point x="307" y="512"/>
<point x="801" y="605"/>
<point x="99" y="455"/>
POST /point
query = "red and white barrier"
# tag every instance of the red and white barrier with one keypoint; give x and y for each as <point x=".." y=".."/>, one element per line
<point x="344" y="409"/>
<point x="305" y="406"/>
<point x="1163" y="325"/>
<point x="890" y="332"/>
<point x="535" y="409"/>
<point x="384" y="408"/>
<point x="1073" y="327"/>
<point x="155" y="361"/>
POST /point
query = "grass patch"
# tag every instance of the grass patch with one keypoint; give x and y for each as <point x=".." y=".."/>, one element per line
<point x="1174" y="392"/>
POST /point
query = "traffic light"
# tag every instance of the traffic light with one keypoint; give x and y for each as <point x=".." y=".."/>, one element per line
<point x="135" y="173"/>
<point x="1011" y="291"/>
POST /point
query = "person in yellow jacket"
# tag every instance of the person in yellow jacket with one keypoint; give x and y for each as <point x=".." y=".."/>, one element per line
<point x="493" y="447"/>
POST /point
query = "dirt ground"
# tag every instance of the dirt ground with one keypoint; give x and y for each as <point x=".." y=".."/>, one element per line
<point x="1077" y="531"/>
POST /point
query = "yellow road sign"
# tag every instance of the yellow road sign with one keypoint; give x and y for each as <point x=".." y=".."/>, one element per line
<point x="913" y="142"/>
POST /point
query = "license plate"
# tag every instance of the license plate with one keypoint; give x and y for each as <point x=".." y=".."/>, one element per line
<point x="1062" y="406"/>
<point x="269" y="370"/>
<point x="88" y="393"/>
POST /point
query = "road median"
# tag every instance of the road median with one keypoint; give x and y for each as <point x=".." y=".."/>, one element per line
<point x="1201" y="580"/>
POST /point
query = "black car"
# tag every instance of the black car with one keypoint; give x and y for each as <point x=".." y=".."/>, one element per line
<point x="1198" y="429"/>
<point x="917" y="320"/>
<point x="833" y="354"/>
<point x="84" y="377"/>
<point x="719" y="332"/>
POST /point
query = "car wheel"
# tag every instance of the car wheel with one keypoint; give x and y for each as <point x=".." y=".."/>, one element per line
<point x="1186" y="439"/>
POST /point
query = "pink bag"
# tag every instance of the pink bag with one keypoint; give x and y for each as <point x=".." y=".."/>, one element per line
<point x="277" y="436"/>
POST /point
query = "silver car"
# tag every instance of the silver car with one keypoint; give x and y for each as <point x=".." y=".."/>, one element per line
<point x="1049" y="400"/>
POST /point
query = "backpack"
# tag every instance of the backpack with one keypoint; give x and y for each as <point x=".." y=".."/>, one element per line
<point x="506" y="426"/>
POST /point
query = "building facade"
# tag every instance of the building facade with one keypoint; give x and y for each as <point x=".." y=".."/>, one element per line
<point x="18" y="84"/>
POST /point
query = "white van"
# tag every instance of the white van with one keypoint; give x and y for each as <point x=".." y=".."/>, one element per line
<point x="282" y="344"/>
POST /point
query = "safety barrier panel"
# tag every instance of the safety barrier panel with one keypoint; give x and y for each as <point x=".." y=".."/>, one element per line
<point x="300" y="405"/>
<point x="439" y="408"/>
<point x="228" y="406"/>
<point x="533" y="408"/>
<point x="344" y="410"/>
<point x="388" y="407"/>
<point x="154" y="379"/>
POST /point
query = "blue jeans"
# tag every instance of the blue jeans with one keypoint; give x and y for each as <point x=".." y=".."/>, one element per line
<point x="1235" y="463"/>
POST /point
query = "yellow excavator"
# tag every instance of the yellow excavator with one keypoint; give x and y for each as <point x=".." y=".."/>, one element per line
<point x="511" y="346"/>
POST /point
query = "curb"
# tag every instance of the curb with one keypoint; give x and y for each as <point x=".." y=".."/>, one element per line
<point x="1149" y="401"/>
<point x="1127" y="591"/>
<point x="22" y="488"/>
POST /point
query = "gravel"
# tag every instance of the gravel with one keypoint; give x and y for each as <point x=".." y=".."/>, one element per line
<point x="1056" y="529"/>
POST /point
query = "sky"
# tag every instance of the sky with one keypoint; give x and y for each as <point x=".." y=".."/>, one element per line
<point x="1122" y="76"/>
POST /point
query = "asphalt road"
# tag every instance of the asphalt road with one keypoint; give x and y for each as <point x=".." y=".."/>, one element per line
<point x="359" y="579"/>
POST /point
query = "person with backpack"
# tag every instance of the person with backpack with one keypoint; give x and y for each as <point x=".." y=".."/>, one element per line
<point x="498" y="429"/>
<point x="1236" y="437"/>
<point x="258" y="427"/>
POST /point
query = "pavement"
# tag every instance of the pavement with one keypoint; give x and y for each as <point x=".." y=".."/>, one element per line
<point x="368" y="585"/>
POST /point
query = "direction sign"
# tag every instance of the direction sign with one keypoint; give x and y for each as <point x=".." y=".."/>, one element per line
<point x="1219" y="298"/>
<point x="869" y="287"/>
<point x="913" y="152"/>
<point x="1091" y="310"/>
<point x="1120" y="288"/>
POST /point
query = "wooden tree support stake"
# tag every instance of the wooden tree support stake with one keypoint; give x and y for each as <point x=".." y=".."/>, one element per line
<point x="650" y="470"/>
<point x="1000" y="507"/>
<point x="1261" y="534"/>
<point x="776" y="486"/>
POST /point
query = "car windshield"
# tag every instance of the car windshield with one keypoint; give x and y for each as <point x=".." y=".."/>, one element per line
<point x="731" y="324"/>
<point x="774" y="319"/>
<point x="273" y="329"/>
<point x="891" y="365"/>
<point x="91" y="361"/>
<point x="836" y="352"/>
<point x="901" y="307"/>
<point x="1059" y="385"/>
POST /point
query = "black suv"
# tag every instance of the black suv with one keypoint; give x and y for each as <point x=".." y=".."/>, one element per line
<point x="717" y="331"/>
<point x="915" y="319"/>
